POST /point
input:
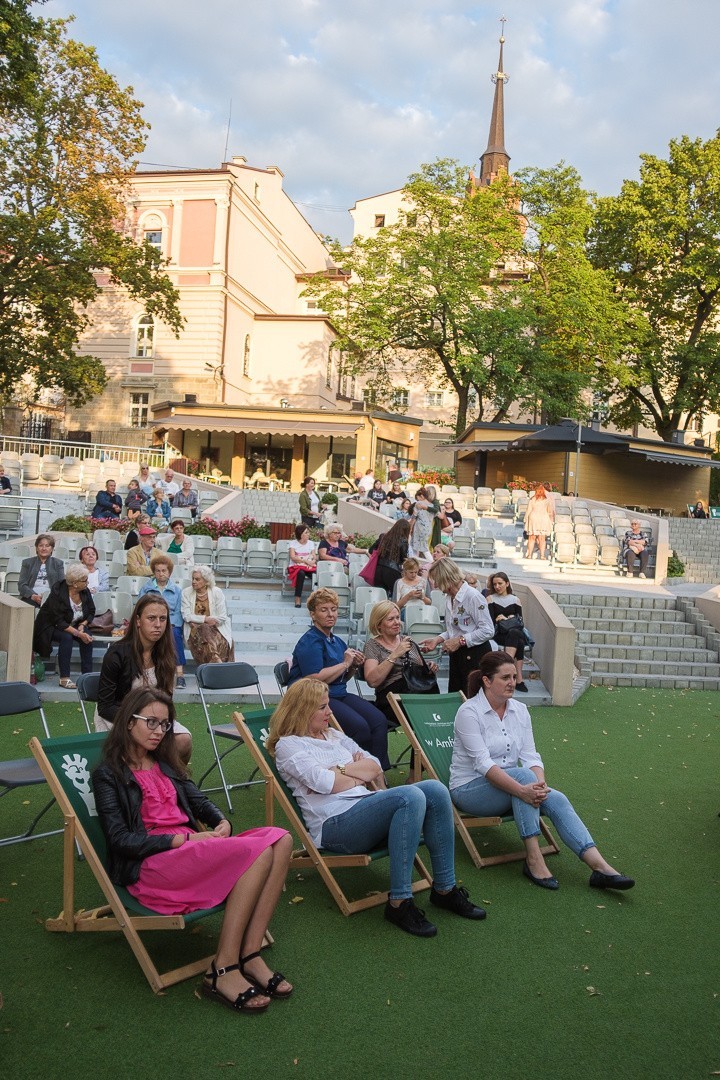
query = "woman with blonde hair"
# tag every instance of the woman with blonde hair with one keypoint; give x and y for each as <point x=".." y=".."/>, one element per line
<point x="468" y="626"/>
<point x="341" y="792"/>
<point x="387" y="652"/>
<point x="411" y="586"/>
<point x="539" y="518"/>
<point x="320" y="653"/>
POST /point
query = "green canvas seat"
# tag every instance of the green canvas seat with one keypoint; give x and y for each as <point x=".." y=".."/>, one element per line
<point x="67" y="764"/>
<point x="429" y="723"/>
<point x="254" y="729"/>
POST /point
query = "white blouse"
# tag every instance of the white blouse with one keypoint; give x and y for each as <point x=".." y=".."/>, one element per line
<point x="482" y="740"/>
<point x="307" y="767"/>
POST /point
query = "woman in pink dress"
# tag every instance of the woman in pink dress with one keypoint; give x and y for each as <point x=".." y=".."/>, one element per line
<point x="150" y="813"/>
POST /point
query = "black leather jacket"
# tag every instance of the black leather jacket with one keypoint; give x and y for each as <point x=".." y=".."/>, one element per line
<point x="118" y="800"/>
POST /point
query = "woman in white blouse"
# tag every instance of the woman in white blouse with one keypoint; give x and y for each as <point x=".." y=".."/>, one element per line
<point x="207" y="625"/>
<point x="497" y="770"/>
<point x="347" y="808"/>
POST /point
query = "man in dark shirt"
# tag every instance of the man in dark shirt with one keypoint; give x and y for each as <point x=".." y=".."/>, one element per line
<point x="5" y="485"/>
<point x="107" y="503"/>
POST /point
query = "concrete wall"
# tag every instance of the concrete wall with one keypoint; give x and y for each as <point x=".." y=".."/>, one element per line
<point x="16" y="631"/>
<point x="554" y="634"/>
<point x="709" y="605"/>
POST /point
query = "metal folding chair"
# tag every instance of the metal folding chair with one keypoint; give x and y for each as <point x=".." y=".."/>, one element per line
<point x="235" y="676"/>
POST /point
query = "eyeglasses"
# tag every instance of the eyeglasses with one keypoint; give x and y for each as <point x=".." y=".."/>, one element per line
<point x="153" y="723"/>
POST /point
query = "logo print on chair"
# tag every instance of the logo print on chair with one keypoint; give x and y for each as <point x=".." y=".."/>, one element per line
<point x="76" y="770"/>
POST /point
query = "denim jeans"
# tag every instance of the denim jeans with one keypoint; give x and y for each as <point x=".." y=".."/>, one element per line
<point x="65" y="646"/>
<point x="482" y="798"/>
<point x="398" y="817"/>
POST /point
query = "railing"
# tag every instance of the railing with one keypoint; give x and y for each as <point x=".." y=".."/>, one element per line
<point x="41" y="503"/>
<point x="105" y="452"/>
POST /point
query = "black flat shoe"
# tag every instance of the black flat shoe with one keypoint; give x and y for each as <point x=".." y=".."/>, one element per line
<point x="457" y="901"/>
<point x="241" y="1002"/>
<point x="271" y="990"/>
<point x="522" y="687"/>
<point x="543" y="882"/>
<point x="598" y="880"/>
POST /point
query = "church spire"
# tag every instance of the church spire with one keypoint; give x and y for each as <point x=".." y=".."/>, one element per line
<point x="496" y="158"/>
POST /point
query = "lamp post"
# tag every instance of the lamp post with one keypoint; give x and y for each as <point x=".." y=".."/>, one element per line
<point x="578" y="447"/>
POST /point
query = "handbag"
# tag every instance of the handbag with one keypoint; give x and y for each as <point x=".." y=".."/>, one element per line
<point x="419" y="679"/>
<point x="368" y="571"/>
<point x="102" y="624"/>
<point x="514" y="622"/>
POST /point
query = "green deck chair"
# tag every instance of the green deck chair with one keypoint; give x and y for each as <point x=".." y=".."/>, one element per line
<point x="67" y="764"/>
<point x="428" y="720"/>
<point x="254" y="729"/>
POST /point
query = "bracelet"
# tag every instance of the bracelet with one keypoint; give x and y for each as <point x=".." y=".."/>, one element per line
<point x="341" y="769"/>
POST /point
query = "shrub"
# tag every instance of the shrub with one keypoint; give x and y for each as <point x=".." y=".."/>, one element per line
<point x="329" y="499"/>
<point x="437" y="477"/>
<point x="530" y="485"/>
<point x="72" y="523"/>
<point x="121" y="525"/>
<point x="675" y="567"/>
<point x="246" y="528"/>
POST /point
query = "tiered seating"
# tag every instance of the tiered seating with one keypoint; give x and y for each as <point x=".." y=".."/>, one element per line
<point x="590" y="538"/>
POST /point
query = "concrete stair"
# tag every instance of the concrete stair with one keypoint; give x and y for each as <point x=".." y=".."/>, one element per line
<point x="638" y="641"/>
<point x="697" y="544"/>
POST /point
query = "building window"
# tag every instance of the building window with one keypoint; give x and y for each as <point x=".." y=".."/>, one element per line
<point x="434" y="399"/>
<point x="153" y="237"/>
<point x="400" y="399"/>
<point x="379" y="221"/>
<point x="329" y="370"/>
<point x="369" y="397"/>
<point x="139" y="410"/>
<point x="246" y="356"/>
<point x="696" y="424"/>
<point x="144" y="337"/>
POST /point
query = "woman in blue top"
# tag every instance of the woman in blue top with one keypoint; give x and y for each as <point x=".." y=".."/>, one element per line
<point x="162" y="567"/>
<point x="320" y="653"/>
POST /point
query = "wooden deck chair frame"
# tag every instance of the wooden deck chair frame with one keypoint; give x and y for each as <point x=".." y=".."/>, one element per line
<point x="310" y="855"/>
<point x="421" y="762"/>
<point x="121" y="912"/>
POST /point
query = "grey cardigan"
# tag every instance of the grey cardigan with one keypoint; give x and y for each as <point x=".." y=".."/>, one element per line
<point x="29" y="572"/>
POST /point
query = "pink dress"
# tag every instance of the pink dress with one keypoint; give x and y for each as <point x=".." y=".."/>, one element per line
<point x="198" y="874"/>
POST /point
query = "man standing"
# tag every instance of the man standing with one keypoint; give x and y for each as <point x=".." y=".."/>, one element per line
<point x="107" y="503"/>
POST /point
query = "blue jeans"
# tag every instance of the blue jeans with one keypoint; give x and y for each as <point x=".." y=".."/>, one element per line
<point x="482" y="798"/>
<point x="65" y="647"/>
<point x="398" y="818"/>
<point x="179" y="646"/>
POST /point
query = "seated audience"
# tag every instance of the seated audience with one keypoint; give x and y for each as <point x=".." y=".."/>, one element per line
<point x="5" y="485"/>
<point x="699" y="510"/>
<point x="319" y="652"/>
<point x="170" y="485"/>
<point x="496" y="769"/>
<point x="132" y="538"/>
<point x="159" y="504"/>
<point x="405" y="510"/>
<point x="504" y="606"/>
<point x="333" y="548"/>
<point x="186" y="498"/>
<point x="143" y="657"/>
<point x="40" y="572"/>
<point x="162" y="567"/>
<point x="150" y="812"/>
<point x="302" y="561"/>
<point x="107" y="503"/>
<point x="64" y="619"/>
<point x="208" y="629"/>
<point x="310" y="512"/>
<point x="139" y="557"/>
<point x="450" y="520"/>
<point x="341" y="792"/>
<point x="134" y="500"/>
<point x="182" y="546"/>
<point x="636" y="549"/>
<point x="98" y="576"/>
<point x="396" y="494"/>
<point x="411" y="586"/>
<point x="145" y="480"/>
<point x="387" y="652"/>
<point x="377" y="494"/>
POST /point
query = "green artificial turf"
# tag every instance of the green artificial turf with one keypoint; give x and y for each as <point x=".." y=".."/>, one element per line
<point x="577" y="983"/>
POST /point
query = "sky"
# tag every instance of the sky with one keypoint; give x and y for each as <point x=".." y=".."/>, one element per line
<point x="349" y="99"/>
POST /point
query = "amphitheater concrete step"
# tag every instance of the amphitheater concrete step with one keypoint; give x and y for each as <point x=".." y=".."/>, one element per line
<point x="642" y="641"/>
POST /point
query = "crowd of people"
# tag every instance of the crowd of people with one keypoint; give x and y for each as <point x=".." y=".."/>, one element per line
<point x="173" y="849"/>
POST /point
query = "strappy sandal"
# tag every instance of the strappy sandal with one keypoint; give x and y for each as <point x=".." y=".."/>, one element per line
<point x="240" y="1004"/>
<point x="68" y="684"/>
<point x="271" y="990"/>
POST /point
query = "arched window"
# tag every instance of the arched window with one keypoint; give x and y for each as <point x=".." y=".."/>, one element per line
<point x="144" y="336"/>
<point x="246" y="356"/>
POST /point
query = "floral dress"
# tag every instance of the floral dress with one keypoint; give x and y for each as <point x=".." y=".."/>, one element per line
<point x="207" y="644"/>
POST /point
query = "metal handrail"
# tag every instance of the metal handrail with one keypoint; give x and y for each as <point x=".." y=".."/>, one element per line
<point x="64" y="448"/>
<point x="23" y="501"/>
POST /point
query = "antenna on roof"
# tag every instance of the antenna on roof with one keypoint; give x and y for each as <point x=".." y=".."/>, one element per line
<point x="227" y="133"/>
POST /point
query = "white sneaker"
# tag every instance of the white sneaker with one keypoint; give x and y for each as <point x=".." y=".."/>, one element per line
<point x="642" y="575"/>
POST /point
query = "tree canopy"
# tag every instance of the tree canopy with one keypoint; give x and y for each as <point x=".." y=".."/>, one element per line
<point x="489" y="290"/>
<point x="659" y="240"/>
<point x="69" y="138"/>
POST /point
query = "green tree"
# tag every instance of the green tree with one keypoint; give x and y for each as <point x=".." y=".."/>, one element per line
<point x="491" y="291"/>
<point x="659" y="241"/>
<point x="68" y="143"/>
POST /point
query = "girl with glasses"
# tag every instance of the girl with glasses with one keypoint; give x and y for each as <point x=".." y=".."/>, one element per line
<point x="150" y="812"/>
